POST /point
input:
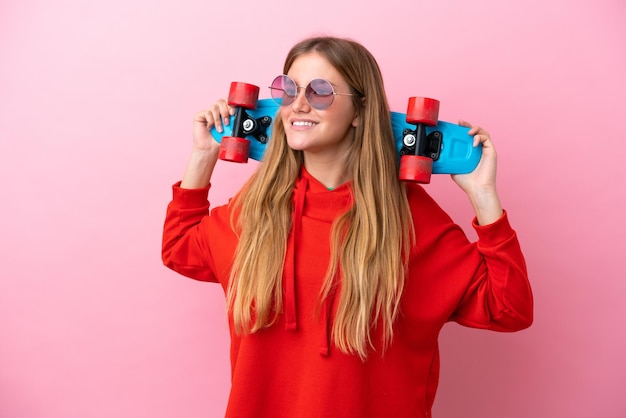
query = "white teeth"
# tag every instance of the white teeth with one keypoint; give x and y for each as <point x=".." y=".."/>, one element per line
<point x="303" y="123"/>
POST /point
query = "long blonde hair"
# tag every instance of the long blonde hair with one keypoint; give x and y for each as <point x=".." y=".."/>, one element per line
<point x="370" y="243"/>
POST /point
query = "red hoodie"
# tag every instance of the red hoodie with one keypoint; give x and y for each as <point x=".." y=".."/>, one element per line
<point x="291" y="369"/>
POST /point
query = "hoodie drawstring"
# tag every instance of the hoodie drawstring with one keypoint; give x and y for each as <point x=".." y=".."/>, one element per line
<point x="326" y="317"/>
<point x="289" y="273"/>
<point x="291" y="320"/>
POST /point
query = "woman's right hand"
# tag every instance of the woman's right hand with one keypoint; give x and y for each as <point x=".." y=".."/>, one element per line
<point x="216" y="116"/>
<point x="206" y="149"/>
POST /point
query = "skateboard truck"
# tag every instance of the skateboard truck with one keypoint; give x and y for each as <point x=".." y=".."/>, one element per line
<point x="419" y="150"/>
<point x="236" y="147"/>
<point x="433" y="143"/>
<point x="246" y="125"/>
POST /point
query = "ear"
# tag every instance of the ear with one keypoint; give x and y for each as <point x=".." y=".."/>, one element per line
<point x="356" y="120"/>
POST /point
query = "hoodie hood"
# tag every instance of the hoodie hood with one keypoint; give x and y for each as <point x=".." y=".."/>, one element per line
<point x="312" y="199"/>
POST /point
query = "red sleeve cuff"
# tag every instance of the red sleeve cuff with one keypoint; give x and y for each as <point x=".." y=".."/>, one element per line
<point x="494" y="233"/>
<point x="190" y="198"/>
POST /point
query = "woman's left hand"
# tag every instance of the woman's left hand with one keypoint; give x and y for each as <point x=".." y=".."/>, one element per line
<point x="484" y="175"/>
<point x="480" y="184"/>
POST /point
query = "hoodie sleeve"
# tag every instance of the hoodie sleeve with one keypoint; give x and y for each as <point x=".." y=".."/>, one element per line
<point x="499" y="296"/>
<point x="185" y="246"/>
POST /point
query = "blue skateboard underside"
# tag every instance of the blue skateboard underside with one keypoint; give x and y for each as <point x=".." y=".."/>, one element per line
<point x="456" y="156"/>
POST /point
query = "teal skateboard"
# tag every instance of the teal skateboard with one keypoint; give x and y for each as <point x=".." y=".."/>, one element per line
<point x="425" y="145"/>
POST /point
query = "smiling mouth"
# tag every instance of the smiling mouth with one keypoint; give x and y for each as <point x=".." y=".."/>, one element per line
<point x="303" y="123"/>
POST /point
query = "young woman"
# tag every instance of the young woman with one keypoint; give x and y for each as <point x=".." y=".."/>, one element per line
<point x="339" y="277"/>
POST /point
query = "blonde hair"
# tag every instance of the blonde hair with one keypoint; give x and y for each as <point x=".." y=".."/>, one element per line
<point x="370" y="243"/>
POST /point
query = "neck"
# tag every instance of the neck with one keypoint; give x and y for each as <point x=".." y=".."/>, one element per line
<point x="330" y="172"/>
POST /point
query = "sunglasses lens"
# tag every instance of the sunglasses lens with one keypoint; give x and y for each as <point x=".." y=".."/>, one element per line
<point x="283" y="90"/>
<point x="320" y="94"/>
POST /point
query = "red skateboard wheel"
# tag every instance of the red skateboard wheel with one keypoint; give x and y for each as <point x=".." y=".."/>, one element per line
<point x="243" y="95"/>
<point x="422" y="110"/>
<point x="416" y="169"/>
<point x="234" y="149"/>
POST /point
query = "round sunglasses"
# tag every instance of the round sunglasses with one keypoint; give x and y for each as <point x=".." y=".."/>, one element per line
<point x="319" y="93"/>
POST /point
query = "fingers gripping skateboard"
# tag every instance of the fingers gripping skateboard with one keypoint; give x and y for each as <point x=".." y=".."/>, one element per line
<point x="236" y="147"/>
<point x="416" y="165"/>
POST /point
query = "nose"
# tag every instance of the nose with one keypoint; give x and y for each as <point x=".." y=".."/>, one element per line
<point x="300" y="103"/>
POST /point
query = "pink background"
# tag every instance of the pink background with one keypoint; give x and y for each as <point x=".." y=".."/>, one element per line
<point x="96" y="100"/>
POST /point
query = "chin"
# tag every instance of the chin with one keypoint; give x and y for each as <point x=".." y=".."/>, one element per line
<point x="297" y="146"/>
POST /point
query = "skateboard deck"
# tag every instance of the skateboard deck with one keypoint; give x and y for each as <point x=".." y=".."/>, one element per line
<point x="448" y="144"/>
